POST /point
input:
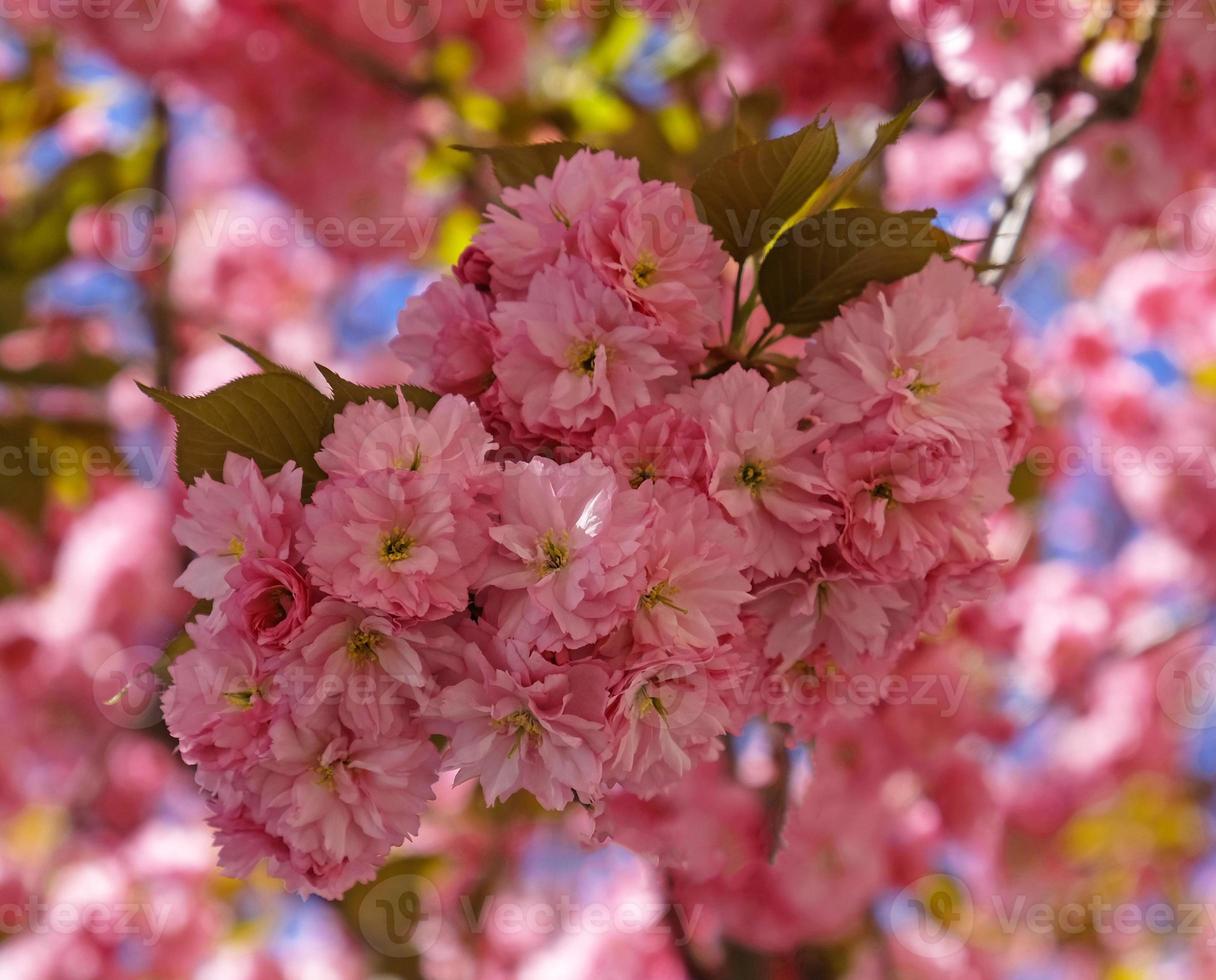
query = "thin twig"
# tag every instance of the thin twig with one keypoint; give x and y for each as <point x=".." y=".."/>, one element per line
<point x="1012" y="214"/>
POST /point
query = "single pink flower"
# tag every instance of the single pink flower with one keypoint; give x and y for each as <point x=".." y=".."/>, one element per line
<point x="522" y="723"/>
<point x="406" y="544"/>
<point x="850" y="620"/>
<point x="269" y="601"/>
<point x="244" y="514"/>
<point x="694" y="581"/>
<point x="445" y="336"/>
<point x="448" y="441"/>
<point x="366" y="665"/>
<point x="569" y="565"/>
<point x="658" y="443"/>
<point x="333" y="798"/>
<point x="538" y="222"/>
<point x="666" y="711"/>
<point x="575" y="355"/>
<point x="219" y="706"/>
<point x="766" y="472"/>
<point x="929" y="351"/>
<point x="650" y="245"/>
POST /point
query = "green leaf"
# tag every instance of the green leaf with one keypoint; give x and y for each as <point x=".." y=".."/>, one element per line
<point x="255" y="355"/>
<point x="516" y="165"/>
<point x="749" y="195"/>
<point x="742" y="137"/>
<point x="347" y="392"/>
<point x="270" y="418"/>
<point x="833" y="192"/>
<point x="828" y="259"/>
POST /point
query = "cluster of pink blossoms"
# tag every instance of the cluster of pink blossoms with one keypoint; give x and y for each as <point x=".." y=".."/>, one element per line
<point x="584" y="564"/>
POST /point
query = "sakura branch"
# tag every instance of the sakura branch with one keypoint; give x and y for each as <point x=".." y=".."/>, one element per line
<point x="1012" y="214"/>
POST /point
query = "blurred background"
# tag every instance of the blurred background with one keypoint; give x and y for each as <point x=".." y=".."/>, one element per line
<point x="1032" y="800"/>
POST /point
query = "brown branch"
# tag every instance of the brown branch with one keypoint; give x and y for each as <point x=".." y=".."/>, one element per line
<point x="1011" y="219"/>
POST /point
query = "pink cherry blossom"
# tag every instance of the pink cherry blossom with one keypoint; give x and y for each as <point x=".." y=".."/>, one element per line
<point x="658" y="443"/>
<point x="930" y="350"/>
<point x="449" y="440"/>
<point x="575" y="355"/>
<point x="765" y="471"/>
<point x="245" y="513"/>
<point x="445" y="335"/>
<point x="666" y="711"/>
<point x="569" y="565"/>
<point x="269" y="601"/>
<point x="521" y="723"/>
<point x="407" y="544"/>
<point x="538" y="222"/>
<point x="650" y="245"/>
<point x="365" y="664"/>
<point x="219" y="706"/>
<point x="694" y="581"/>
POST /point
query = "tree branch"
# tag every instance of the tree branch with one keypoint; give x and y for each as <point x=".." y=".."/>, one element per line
<point x="1011" y="218"/>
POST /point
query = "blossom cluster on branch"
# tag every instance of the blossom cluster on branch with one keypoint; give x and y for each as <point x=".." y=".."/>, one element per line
<point x="570" y="566"/>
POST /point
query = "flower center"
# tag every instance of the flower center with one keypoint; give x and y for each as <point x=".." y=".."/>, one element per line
<point x="752" y="476"/>
<point x="647" y="702"/>
<point x="325" y="775"/>
<point x="395" y="546"/>
<point x="524" y="726"/>
<point x="662" y="594"/>
<point x="1119" y="155"/>
<point x="414" y="464"/>
<point x="641" y="473"/>
<point x="361" y="647"/>
<point x="236" y="547"/>
<point x="644" y="269"/>
<point x="882" y="491"/>
<point x="554" y="553"/>
<point x="242" y="698"/>
<point x="582" y="357"/>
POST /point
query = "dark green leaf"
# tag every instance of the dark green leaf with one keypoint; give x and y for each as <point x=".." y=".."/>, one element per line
<point x="748" y="196"/>
<point x="833" y="192"/>
<point x="269" y="418"/>
<point x="516" y="165"/>
<point x="255" y="355"/>
<point x="828" y="259"/>
<point x="345" y="392"/>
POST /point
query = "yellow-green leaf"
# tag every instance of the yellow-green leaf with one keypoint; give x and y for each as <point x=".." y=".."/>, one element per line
<point x="748" y="196"/>
<point x="833" y="192"/>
